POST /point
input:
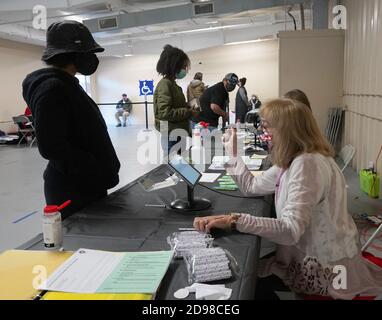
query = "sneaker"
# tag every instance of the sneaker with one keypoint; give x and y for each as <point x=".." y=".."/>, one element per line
<point x="118" y="125"/>
<point x="124" y="124"/>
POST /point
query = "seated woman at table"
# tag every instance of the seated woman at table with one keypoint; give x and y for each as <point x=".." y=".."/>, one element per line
<point x="298" y="95"/>
<point x="317" y="239"/>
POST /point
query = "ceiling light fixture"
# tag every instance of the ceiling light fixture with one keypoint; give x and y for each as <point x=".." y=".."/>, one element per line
<point x="234" y="26"/>
<point x="248" y="41"/>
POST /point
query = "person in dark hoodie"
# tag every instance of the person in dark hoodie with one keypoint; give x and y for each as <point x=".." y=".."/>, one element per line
<point x="70" y="129"/>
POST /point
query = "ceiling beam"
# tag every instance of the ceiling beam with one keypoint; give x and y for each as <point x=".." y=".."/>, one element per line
<point x="191" y="42"/>
<point x="184" y="12"/>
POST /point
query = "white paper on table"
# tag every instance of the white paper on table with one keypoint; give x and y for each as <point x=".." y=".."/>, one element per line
<point x="246" y="159"/>
<point x="95" y="271"/>
<point x="253" y="162"/>
<point x="259" y="156"/>
<point x="83" y="272"/>
<point x="220" y="159"/>
<point x="209" y="177"/>
<point x="218" y="163"/>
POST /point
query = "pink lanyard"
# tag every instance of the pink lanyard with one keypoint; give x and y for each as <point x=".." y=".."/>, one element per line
<point x="278" y="183"/>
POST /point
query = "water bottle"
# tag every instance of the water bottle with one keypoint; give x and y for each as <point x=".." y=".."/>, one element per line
<point x="371" y="166"/>
<point x="52" y="226"/>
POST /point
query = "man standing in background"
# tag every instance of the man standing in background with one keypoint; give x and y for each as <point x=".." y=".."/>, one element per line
<point x="242" y="103"/>
<point x="123" y="107"/>
<point x="214" y="102"/>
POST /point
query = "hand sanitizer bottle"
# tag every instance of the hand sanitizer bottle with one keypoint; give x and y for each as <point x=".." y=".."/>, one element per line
<point x="52" y="226"/>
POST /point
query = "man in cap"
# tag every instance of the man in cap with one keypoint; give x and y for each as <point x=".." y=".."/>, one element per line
<point x="214" y="102"/>
<point x="71" y="132"/>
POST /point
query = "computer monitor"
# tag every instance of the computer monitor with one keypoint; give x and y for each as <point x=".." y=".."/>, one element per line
<point x="189" y="174"/>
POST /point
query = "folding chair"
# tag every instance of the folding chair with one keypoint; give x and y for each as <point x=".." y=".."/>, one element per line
<point x="128" y="120"/>
<point x="26" y="128"/>
<point x="372" y="238"/>
<point x="346" y="155"/>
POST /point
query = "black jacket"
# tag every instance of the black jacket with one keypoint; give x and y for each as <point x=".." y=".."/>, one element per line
<point x="242" y="104"/>
<point x="127" y="106"/>
<point x="71" y="132"/>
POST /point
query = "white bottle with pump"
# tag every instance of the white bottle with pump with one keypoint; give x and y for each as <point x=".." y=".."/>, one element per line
<point x="197" y="151"/>
<point x="52" y="226"/>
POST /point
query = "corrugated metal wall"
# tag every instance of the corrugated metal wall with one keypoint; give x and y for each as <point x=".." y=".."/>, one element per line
<point x="363" y="80"/>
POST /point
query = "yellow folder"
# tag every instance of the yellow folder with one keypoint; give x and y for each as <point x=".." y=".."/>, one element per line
<point x="96" y="296"/>
<point x="20" y="269"/>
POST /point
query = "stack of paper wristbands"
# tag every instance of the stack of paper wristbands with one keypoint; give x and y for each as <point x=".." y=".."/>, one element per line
<point x="204" y="264"/>
<point x="209" y="264"/>
<point x="183" y="242"/>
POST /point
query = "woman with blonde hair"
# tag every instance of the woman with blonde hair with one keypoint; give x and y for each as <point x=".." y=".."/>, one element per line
<point x="298" y="95"/>
<point x="318" y="250"/>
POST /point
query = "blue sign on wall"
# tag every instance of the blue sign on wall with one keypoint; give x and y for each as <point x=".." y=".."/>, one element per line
<point x="146" y="87"/>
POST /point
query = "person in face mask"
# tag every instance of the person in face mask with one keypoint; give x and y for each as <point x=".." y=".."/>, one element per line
<point x="71" y="132"/>
<point x="312" y="229"/>
<point x="214" y="102"/>
<point x="170" y="107"/>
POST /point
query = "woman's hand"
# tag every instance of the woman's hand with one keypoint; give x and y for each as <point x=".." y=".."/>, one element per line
<point x="213" y="222"/>
<point x="229" y="141"/>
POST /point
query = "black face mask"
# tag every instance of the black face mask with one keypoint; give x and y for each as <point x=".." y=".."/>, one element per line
<point x="230" y="87"/>
<point x="87" y="63"/>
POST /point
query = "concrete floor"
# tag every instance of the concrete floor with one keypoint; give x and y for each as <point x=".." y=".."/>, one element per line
<point x="21" y="187"/>
<point x="21" y="184"/>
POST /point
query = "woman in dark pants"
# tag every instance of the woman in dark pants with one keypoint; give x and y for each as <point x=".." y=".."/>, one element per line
<point x="242" y="103"/>
<point x="172" y="114"/>
<point x="70" y="129"/>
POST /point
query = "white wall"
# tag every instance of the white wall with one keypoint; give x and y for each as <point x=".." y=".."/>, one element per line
<point x="312" y="61"/>
<point x="121" y="75"/>
<point x="363" y="80"/>
<point x="16" y="61"/>
<point x="258" y="62"/>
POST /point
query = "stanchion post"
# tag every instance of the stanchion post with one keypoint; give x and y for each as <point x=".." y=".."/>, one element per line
<point x="146" y="113"/>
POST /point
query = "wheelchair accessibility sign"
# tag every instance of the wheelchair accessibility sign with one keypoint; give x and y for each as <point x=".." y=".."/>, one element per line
<point x="146" y="87"/>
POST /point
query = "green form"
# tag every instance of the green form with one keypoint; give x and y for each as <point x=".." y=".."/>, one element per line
<point x="138" y="272"/>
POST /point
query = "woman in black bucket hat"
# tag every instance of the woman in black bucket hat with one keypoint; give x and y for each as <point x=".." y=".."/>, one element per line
<point x="70" y="129"/>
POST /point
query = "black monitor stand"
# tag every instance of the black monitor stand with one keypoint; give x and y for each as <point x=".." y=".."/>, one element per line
<point x="191" y="203"/>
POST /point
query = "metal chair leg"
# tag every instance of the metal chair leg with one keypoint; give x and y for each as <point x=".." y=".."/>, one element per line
<point x="22" y="138"/>
<point x="372" y="238"/>
<point x="34" y="139"/>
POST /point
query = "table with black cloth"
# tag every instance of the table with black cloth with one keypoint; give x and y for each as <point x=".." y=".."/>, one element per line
<point x="122" y="222"/>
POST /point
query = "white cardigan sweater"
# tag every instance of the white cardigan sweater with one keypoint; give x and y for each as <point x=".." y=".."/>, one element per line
<point x="313" y="229"/>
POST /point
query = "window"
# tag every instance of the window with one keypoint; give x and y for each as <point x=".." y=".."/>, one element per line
<point x="85" y="83"/>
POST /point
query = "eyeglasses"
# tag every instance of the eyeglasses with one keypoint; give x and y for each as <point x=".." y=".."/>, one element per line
<point x="265" y="124"/>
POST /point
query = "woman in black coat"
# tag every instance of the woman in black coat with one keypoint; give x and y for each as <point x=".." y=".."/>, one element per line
<point x="71" y="132"/>
<point x="242" y="103"/>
